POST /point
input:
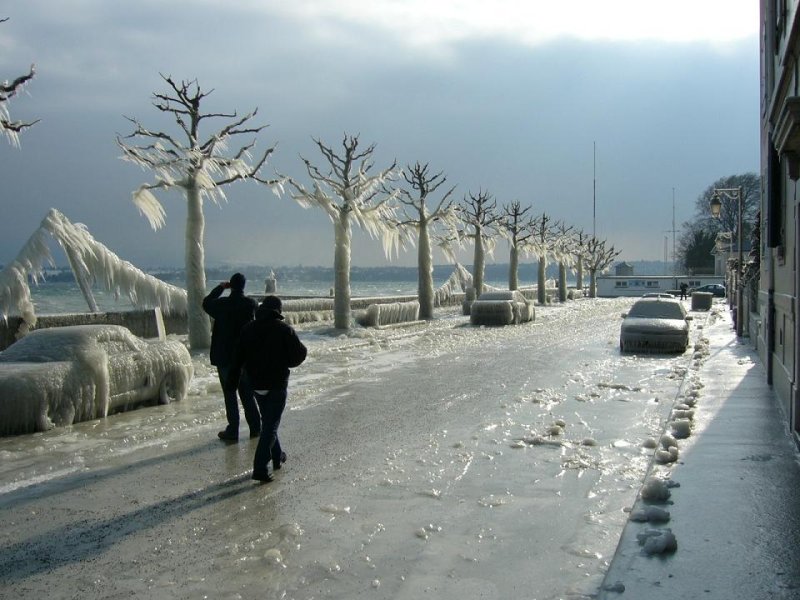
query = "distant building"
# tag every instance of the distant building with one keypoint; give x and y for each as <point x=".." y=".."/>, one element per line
<point x="623" y="269"/>
<point x="773" y="325"/>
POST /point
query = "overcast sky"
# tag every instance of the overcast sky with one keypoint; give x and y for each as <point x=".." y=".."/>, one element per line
<point x="508" y="96"/>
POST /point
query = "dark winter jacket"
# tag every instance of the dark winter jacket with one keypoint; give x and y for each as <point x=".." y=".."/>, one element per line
<point x="230" y="314"/>
<point x="267" y="349"/>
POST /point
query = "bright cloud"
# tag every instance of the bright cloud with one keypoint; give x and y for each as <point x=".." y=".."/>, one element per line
<point x="532" y="22"/>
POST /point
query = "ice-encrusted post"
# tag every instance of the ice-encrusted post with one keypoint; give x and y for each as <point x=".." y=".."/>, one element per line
<point x="349" y="194"/>
<point x="198" y="167"/>
<point x="417" y="217"/>
<point x="518" y="229"/>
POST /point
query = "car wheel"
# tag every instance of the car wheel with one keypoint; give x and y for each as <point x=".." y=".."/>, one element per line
<point x="621" y="345"/>
<point x="168" y="392"/>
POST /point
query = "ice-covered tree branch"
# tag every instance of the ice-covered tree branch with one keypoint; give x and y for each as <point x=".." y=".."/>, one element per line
<point x="480" y="221"/>
<point x="418" y="217"/>
<point x="598" y="258"/>
<point x="518" y="227"/>
<point x="200" y="169"/>
<point x="89" y="259"/>
<point x="9" y="127"/>
<point x="541" y="245"/>
<point x="349" y="194"/>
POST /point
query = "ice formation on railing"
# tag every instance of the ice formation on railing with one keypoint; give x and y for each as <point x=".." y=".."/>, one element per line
<point x="91" y="262"/>
<point x="307" y="310"/>
<point x="378" y="315"/>
<point x="458" y="281"/>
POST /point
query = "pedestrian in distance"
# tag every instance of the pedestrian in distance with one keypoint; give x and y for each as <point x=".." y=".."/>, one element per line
<point x="267" y="348"/>
<point x="684" y="288"/>
<point x="230" y="314"/>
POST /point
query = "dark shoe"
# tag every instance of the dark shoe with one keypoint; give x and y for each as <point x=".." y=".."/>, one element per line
<point x="276" y="464"/>
<point x="262" y="477"/>
<point x="228" y="436"/>
<point x="254" y="434"/>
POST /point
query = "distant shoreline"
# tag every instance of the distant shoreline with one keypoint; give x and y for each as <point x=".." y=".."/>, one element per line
<point x="495" y="271"/>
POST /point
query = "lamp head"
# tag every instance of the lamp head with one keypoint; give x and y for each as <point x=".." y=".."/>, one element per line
<point x="715" y="206"/>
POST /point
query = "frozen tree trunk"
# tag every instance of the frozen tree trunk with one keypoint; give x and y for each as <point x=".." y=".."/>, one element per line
<point x="341" y="268"/>
<point x="562" y="282"/>
<point x="82" y="278"/>
<point x="513" y="269"/>
<point x="425" y="267"/>
<point x="479" y="263"/>
<point x="199" y="324"/>
<point x="579" y="273"/>
<point x="592" y="284"/>
<point x="541" y="287"/>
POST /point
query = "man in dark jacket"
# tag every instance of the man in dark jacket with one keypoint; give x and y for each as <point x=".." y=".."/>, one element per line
<point x="230" y="314"/>
<point x="266" y="350"/>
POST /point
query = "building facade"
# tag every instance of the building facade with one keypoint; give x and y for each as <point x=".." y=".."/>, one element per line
<point x="774" y="324"/>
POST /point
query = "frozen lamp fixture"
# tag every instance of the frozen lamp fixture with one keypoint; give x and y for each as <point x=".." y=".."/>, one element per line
<point x="716" y="206"/>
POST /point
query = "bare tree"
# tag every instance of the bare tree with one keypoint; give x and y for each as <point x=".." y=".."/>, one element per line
<point x="199" y="168"/>
<point x="417" y="215"/>
<point x="9" y="127"/>
<point x="563" y="250"/>
<point x="518" y="227"/>
<point x="580" y="239"/>
<point x="479" y="220"/>
<point x="598" y="258"/>
<point x="542" y="244"/>
<point x="348" y="193"/>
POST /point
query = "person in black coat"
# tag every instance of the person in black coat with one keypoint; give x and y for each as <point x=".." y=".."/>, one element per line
<point x="267" y="348"/>
<point x="230" y="314"/>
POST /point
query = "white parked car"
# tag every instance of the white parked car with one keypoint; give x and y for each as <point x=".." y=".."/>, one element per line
<point x="655" y="325"/>
<point x="506" y="307"/>
<point x="62" y="375"/>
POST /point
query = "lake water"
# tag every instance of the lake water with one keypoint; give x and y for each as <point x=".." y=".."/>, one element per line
<point x="65" y="297"/>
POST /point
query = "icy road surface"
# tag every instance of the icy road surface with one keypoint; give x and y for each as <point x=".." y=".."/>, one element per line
<point x="435" y="461"/>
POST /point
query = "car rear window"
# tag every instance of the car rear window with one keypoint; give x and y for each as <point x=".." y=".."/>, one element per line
<point x="657" y="310"/>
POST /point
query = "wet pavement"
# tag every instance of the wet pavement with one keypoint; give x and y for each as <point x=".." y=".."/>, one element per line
<point x="735" y="512"/>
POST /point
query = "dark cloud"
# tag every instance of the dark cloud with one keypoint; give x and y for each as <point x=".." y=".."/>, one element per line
<point x="519" y="121"/>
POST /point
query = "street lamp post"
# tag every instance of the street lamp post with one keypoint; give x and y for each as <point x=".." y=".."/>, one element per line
<point x="716" y="207"/>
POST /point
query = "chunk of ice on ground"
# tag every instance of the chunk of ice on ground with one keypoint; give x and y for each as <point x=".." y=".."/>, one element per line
<point x="650" y="514"/>
<point x="655" y="489"/>
<point x="657" y="541"/>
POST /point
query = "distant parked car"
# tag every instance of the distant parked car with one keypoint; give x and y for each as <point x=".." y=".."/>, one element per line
<point x="62" y="375"/>
<point x="505" y="307"/>
<point x="712" y="288"/>
<point x="658" y="295"/>
<point x="655" y="325"/>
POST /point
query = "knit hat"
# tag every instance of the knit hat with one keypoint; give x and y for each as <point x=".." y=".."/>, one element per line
<point x="272" y="303"/>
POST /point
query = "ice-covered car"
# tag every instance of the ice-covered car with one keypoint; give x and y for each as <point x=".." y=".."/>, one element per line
<point x="717" y="289"/>
<point x="63" y="375"/>
<point x="504" y="307"/>
<point x="655" y="325"/>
